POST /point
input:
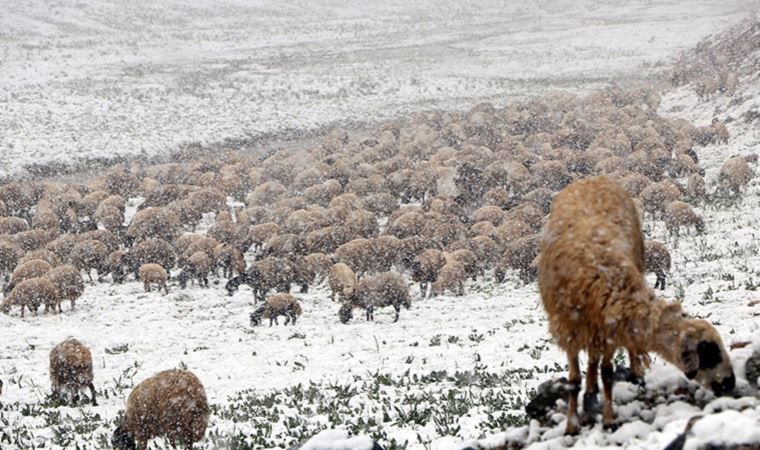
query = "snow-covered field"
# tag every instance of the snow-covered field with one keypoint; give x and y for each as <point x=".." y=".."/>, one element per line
<point x="452" y="369"/>
<point x="98" y="78"/>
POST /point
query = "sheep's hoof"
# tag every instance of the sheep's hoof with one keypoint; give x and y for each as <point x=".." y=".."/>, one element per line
<point x="591" y="405"/>
<point x="611" y="426"/>
<point x="623" y="373"/>
<point x="572" y="429"/>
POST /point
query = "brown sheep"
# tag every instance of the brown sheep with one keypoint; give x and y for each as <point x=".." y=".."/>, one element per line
<point x="285" y="245"/>
<point x="327" y="239"/>
<point x="341" y="280"/>
<point x="695" y="187"/>
<point x="657" y="261"/>
<point x="509" y="231"/>
<point x="88" y="255"/>
<point x="362" y="223"/>
<point x="229" y="259"/>
<point x="319" y="264"/>
<point x="110" y="218"/>
<point x="159" y="252"/>
<point x="31" y="269"/>
<point x="264" y="275"/>
<point x="197" y="267"/>
<point x="32" y="293"/>
<point x="63" y="245"/>
<point x="425" y="268"/>
<point x="519" y="255"/>
<point x="71" y="370"/>
<point x="382" y="204"/>
<point x="158" y="223"/>
<point x="34" y="239"/>
<point x="10" y="255"/>
<point x="407" y="225"/>
<point x="45" y="219"/>
<point x="735" y="174"/>
<point x="200" y="243"/>
<point x="450" y="277"/>
<point x="153" y="274"/>
<point x="106" y="237"/>
<point x="679" y="214"/>
<point x="384" y="289"/>
<point x="43" y="254"/>
<point x="467" y="258"/>
<point x="277" y="305"/>
<point x="171" y="404"/>
<point x="493" y="214"/>
<point x="68" y="281"/>
<point x="592" y="285"/>
<point x="657" y="196"/>
<point x="357" y="254"/>
<point x="261" y="233"/>
<point x="13" y="225"/>
<point x="302" y="273"/>
<point x="527" y="212"/>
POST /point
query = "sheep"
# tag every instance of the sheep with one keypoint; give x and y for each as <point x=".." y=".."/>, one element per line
<point x="407" y="225"/>
<point x="425" y="268"/>
<point x="285" y="245"/>
<point x="68" y="282"/>
<point x="45" y="219"/>
<point x="71" y="370"/>
<point x="734" y="174"/>
<point x="592" y="286"/>
<point x="10" y="255"/>
<point x="261" y="233"/>
<point x="229" y="259"/>
<point x="384" y="289"/>
<point x="362" y="223"/>
<point x="159" y="223"/>
<point x="63" y="245"/>
<point x="118" y="265"/>
<point x="301" y="273"/>
<point x="450" y="277"/>
<point x="186" y="212"/>
<point x="319" y="264"/>
<point x="153" y="274"/>
<point x="263" y="275"/>
<point x="341" y="280"/>
<point x="197" y="267"/>
<point x="106" y="237"/>
<point x="31" y="269"/>
<point x="88" y="255"/>
<point x="43" y="254"/>
<point x="492" y="214"/>
<point x="32" y="293"/>
<point x="34" y="239"/>
<point x="467" y="258"/>
<point x="13" y="225"/>
<point x="657" y="196"/>
<point x="327" y="239"/>
<point x="203" y="244"/>
<point x="509" y="231"/>
<point x="110" y="218"/>
<point x="170" y="404"/>
<point x="155" y="251"/>
<point x="657" y="261"/>
<point x="679" y="214"/>
<point x="277" y="305"/>
<point x="695" y="187"/>
<point x="357" y="254"/>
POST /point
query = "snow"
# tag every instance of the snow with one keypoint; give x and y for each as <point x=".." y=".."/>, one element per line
<point x="337" y="440"/>
<point x="94" y="79"/>
<point x="727" y="427"/>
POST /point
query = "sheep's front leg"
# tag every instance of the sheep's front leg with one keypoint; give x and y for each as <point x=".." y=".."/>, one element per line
<point x="639" y="362"/>
<point x="398" y="309"/>
<point x="608" y="379"/>
<point x="574" y="378"/>
<point x="92" y="394"/>
<point x="146" y="286"/>
<point x="287" y="319"/>
<point x="293" y="318"/>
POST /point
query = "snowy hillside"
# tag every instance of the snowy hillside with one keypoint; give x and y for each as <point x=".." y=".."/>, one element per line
<point x="99" y="79"/>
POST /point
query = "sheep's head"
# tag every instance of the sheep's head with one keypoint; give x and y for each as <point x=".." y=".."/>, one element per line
<point x="345" y="313"/>
<point x="704" y="358"/>
<point x="122" y="439"/>
<point x="183" y="277"/>
<point x="700" y="225"/>
<point x="256" y="316"/>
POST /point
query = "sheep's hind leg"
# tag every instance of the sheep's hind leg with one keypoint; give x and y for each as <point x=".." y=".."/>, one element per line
<point x="574" y="378"/>
<point x="398" y="309"/>
<point x="92" y="394"/>
<point x="591" y="396"/>
<point x="608" y="379"/>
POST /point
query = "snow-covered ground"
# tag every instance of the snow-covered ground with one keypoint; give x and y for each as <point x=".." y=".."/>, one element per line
<point x="99" y="78"/>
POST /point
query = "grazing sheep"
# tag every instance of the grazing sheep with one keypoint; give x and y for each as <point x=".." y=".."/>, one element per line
<point x="31" y="269"/>
<point x="451" y="277"/>
<point x="88" y="255"/>
<point x="10" y="256"/>
<point x="203" y="244"/>
<point x="63" y="245"/>
<point x="735" y="174"/>
<point x="71" y="370"/>
<point x="341" y="280"/>
<point x="43" y="254"/>
<point x="657" y="261"/>
<point x="493" y="214"/>
<point x="32" y="293"/>
<point x="657" y="196"/>
<point x="264" y="275"/>
<point x="319" y="264"/>
<point x="159" y="223"/>
<point x="118" y="265"/>
<point x="301" y="272"/>
<point x="155" y="251"/>
<point x="106" y="237"/>
<point x="357" y="254"/>
<point x="68" y="282"/>
<point x="679" y="214"/>
<point x="229" y="259"/>
<point x="13" y="225"/>
<point x="45" y="219"/>
<point x="384" y="289"/>
<point x="154" y="274"/>
<point x="426" y="267"/>
<point x="110" y="218"/>
<point x="695" y="187"/>
<point x="170" y="404"/>
<point x="197" y="267"/>
<point x="277" y="305"/>
<point x="591" y="279"/>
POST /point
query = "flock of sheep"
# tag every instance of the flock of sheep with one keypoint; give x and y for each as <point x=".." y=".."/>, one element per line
<point x="439" y="199"/>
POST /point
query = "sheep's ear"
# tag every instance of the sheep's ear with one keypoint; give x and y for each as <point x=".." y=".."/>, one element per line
<point x="709" y="354"/>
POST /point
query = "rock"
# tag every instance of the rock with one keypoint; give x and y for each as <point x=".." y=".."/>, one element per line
<point x="548" y="394"/>
<point x="752" y="369"/>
